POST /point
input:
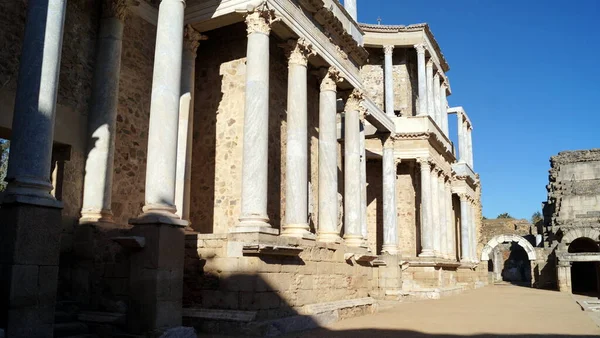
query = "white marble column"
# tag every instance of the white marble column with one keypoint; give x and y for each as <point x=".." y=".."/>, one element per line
<point x="296" y="193"/>
<point x="470" y="145"/>
<point x="29" y="164"/>
<point x="363" y="184"/>
<point x="461" y="137"/>
<point x="389" y="80"/>
<point x="253" y="216"/>
<point x="472" y="231"/>
<point x="465" y="236"/>
<point x="435" y="212"/>
<point x="426" y="209"/>
<point x="450" y="221"/>
<point x="422" y="80"/>
<point x="436" y="101"/>
<point x="430" y="92"/>
<point x="443" y="220"/>
<point x="164" y="113"/>
<point x="191" y="41"/>
<point x="350" y="6"/>
<point x="444" y="106"/>
<point x="328" y="170"/>
<point x="102" y="118"/>
<point x="352" y="168"/>
<point x="390" y="218"/>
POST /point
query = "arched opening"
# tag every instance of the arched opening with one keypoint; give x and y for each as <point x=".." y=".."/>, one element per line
<point x="584" y="275"/>
<point x="517" y="267"/>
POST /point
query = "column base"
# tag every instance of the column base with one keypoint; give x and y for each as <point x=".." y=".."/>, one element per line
<point x="329" y="237"/>
<point x="96" y="216"/>
<point x="427" y="253"/>
<point x="156" y="274"/>
<point x="301" y="230"/>
<point x="355" y="241"/>
<point x="254" y="224"/>
<point x="390" y="249"/>
<point x="29" y="255"/>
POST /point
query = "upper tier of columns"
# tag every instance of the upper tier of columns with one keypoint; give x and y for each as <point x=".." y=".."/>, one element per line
<point x="465" y="141"/>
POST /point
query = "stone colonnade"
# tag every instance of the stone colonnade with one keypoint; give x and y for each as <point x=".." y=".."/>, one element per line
<point x="465" y="140"/>
<point x="432" y="90"/>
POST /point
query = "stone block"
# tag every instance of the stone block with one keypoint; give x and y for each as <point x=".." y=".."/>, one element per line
<point x="274" y="281"/>
<point x="217" y="265"/>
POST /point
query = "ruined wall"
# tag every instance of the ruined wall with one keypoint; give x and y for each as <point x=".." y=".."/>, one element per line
<point x="408" y="204"/>
<point x="405" y="77"/>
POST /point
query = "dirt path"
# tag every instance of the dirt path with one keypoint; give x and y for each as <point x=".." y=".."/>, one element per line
<point x="495" y="311"/>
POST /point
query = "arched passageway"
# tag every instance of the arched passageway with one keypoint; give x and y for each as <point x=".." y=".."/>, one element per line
<point x="585" y="275"/>
<point x="509" y="259"/>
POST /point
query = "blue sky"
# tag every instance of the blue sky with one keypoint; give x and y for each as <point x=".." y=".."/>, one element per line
<point x="528" y="75"/>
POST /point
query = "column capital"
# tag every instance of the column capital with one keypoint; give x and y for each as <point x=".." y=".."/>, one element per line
<point x="260" y="21"/>
<point x="388" y="141"/>
<point x="330" y="77"/>
<point x="192" y="38"/>
<point x="463" y="196"/>
<point x="436" y="170"/>
<point x="425" y="163"/>
<point x="420" y="47"/>
<point x="354" y="103"/>
<point x="429" y="64"/>
<point x="298" y="51"/>
<point x="117" y="8"/>
<point x="388" y="49"/>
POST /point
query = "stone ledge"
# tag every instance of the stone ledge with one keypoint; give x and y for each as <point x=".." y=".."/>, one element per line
<point x="318" y="308"/>
<point x="228" y="315"/>
<point x="262" y="249"/>
<point x="431" y="262"/>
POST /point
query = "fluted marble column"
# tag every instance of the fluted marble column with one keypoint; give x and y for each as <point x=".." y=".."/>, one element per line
<point x="97" y="186"/>
<point x="352" y="168"/>
<point x="435" y="212"/>
<point x="422" y="79"/>
<point x="443" y="221"/>
<point x="164" y="112"/>
<point x="296" y="193"/>
<point x="450" y="221"/>
<point x="472" y="231"/>
<point x="389" y="80"/>
<point x="465" y="236"/>
<point x="30" y="217"/>
<point x="350" y="6"/>
<point x="444" y="107"/>
<point x="191" y="41"/>
<point x="253" y="216"/>
<point x="363" y="183"/>
<point x="430" y="90"/>
<point x="328" y="170"/>
<point x="427" y="232"/>
<point x="436" y="101"/>
<point x="390" y="218"/>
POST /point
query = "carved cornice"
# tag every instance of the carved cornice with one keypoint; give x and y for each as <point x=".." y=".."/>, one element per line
<point x="260" y="20"/>
<point x="388" y="50"/>
<point x="192" y="38"/>
<point x="420" y="48"/>
<point x="117" y="8"/>
<point x="330" y="78"/>
<point x="298" y="51"/>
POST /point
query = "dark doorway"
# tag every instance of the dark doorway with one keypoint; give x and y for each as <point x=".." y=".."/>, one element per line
<point x="584" y="275"/>
<point x="517" y="268"/>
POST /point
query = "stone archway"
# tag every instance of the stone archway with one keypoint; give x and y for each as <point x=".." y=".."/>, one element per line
<point x="512" y="264"/>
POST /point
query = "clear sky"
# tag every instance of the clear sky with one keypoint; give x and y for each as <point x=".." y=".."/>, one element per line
<point x="528" y="75"/>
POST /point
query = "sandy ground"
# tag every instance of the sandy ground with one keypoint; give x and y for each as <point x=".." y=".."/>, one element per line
<point x="494" y="311"/>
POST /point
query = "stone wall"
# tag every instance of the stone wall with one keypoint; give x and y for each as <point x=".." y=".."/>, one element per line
<point x="408" y="199"/>
<point x="375" y="205"/>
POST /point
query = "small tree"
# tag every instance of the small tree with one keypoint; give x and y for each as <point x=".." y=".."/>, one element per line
<point x="505" y="215"/>
<point x="536" y="217"/>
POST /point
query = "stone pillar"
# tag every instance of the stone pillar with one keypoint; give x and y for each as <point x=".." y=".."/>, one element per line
<point x="444" y="107"/>
<point x="102" y="118"/>
<point x="390" y="218"/>
<point x="465" y="237"/>
<point x="443" y="222"/>
<point x="191" y="41"/>
<point x="470" y="145"/>
<point x="296" y="193"/>
<point x="426" y="209"/>
<point x="350" y="6"/>
<point x="435" y="102"/>
<point x="430" y="105"/>
<point x="30" y="217"/>
<point x="461" y="137"/>
<point x="450" y="221"/>
<point x="253" y="216"/>
<point x="564" y="276"/>
<point x="389" y="81"/>
<point x="352" y="168"/>
<point x="422" y="79"/>
<point x="328" y="170"/>
<point x="156" y="274"/>
<point x="435" y="212"/>
<point x="363" y="184"/>
<point x="472" y="231"/>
